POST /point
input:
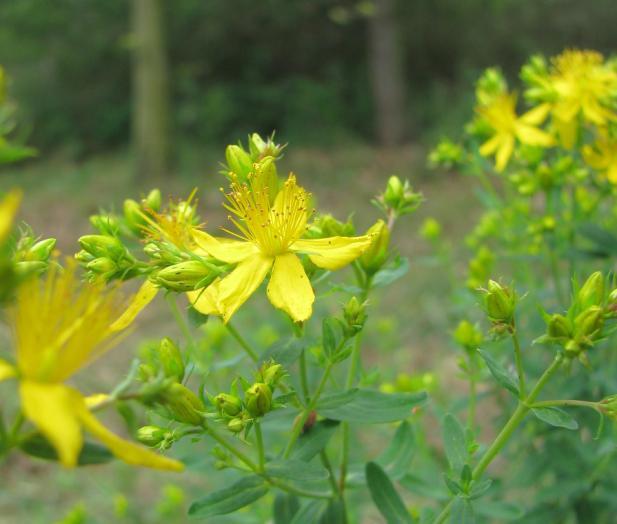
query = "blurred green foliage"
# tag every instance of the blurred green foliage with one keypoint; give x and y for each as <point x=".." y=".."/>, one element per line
<point x="298" y="67"/>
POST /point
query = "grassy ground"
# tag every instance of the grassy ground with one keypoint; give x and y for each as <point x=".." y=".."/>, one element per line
<point x="408" y="332"/>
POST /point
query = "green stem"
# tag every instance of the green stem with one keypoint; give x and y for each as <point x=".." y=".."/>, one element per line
<point x="175" y="311"/>
<point x="569" y="403"/>
<point x="304" y="376"/>
<point x="325" y="460"/>
<point x="518" y="357"/>
<point x="243" y="343"/>
<point x="471" y="413"/>
<point x="506" y="432"/>
<point x="299" y="424"/>
<point x="260" y="446"/>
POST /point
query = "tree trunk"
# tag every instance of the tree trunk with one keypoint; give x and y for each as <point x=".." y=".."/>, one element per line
<point x="150" y="91"/>
<point x="386" y="68"/>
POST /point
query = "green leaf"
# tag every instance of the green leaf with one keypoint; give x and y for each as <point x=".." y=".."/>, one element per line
<point x="500" y="374"/>
<point x="285" y="507"/>
<point x="462" y="512"/>
<point x="453" y="486"/>
<point x="398" y="268"/>
<point x="296" y="470"/>
<point x="555" y="417"/>
<point x="38" y="446"/>
<point x="385" y="497"/>
<point x="334" y="513"/>
<point x="479" y="488"/>
<point x="396" y="459"/>
<point x="454" y="441"/>
<point x="227" y="500"/>
<point x="310" y="513"/>
<point x="500" y="510"/>
<point x="284" y="353"/>
<point x="329" y="336"/>
<point x="425" y="487"/>
<point x="196" y="319"/>
<point x="369" y="406"/>
<point x="314" y="440"/>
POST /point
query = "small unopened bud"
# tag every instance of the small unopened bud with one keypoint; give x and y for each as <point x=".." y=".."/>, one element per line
<point x="84" y="257"/>
<point x="183" y="404"/>
<point x="559" y="327"/>
<point x="133" y="214"/>
<point x="609" y="406"/>
<point x="499" y="302"/>
<point x="271" y="373"/>
<point x="228" y="404"/>
<point x="105" y="224"/>
<point x="102" y="265"/>
<point x="184" y="276"/>
<point x="394" y="191"/>
<point x="29" y="268"/>
<point x="468" y="335"/>
<point x="589" y="322"/>
<point x="328" y="226"/>
<point x="236" y="425"/>
<point x="354" y="314"/>
<point x="258" y="399"/>
<point x="592" y="291"/>
<point x="42" y="249"/>
<point x="171" y="359"/>
<point x="151" y="435"/>
<point x="153" y="200"/>
<point x="102" y="246"/>
<point x="431" y="229"/>
<point x="238" y="161"/>
<point x="377" y="253"/>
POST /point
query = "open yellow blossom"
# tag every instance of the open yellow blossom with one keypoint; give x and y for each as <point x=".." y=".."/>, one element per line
<point x="61" y="325"/>
<point x="270" y="228"/>
<point x="507" y="127"/>
<point x="584" y="85"/>
<point x="8" y="209"/>
<point x="602" y="155"/>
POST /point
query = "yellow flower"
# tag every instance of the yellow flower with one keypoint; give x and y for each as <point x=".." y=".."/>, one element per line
<point x="270" y="226"/>
<point x="60" y="326"/>
<point x="507" y="127"/>
<point x="602" y="155"/>
<point x="8" y="210"/>
<point x="584" y="85"/>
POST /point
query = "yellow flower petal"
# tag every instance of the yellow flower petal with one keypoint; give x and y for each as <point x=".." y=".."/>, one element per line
<point x="567" y="131"/>
<point x="241" y="283"/>
<point x="53" y="410"/>
<point x="537" y="115"/>
<point x="123" y="449"/>
<point x="611" y="174"/>
<point x="533" y="136"/>
<point x="92" y="401"/>
<point x="206" y="300"/>
<point x="142" y="298"/>
<point x="226" y="250"/>
<point x="290" y="289"/>
<point x="504" y="153"/>
<point x="6" y="370"/>
<point x="334" y="252"/>
<point x="8" y="210"/>
<point x="490" y="146"/>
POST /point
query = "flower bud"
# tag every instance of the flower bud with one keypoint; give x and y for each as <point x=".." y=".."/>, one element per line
<point x="377" y="253"/>
<point x="102" y="265"/>
<point x="499" y="302"/>
<point x="238" y="161"/>
<point x="102" y="246"/>
<point x="42" y="250"/>
<point x="609" y="406"/>
<point x="354" y="313"/>
<point x="105" y="224"/>
<point x="589" y="322"/>
<point x="327" y="226"/>
<point x="592" y="291"/>
<point x="184" y="276"/>
<point x="394" y="191"/>
<point x="151" y="435"/>
<point x="559" y="327"/>
<point x="183" y="404"/>
<point x="134" y="216"/>
<point x="236" y="425"/>
<point x="228" y="404"/>
<point x="84" y="257"/>
<point x="153" y="200"/>
<point x="258" y="399"/>
<point x="468" y="335"/>
<point x="171" y="359"/>
<point x="431" y="229"/>
<point x="271" y="373"/>
<point x="28" y="268"/>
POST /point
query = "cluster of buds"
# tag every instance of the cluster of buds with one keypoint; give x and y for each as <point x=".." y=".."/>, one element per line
<point x="31" y="256"/>
<point x="585" y="321"/>
<point x="239" y="413"/>
<point x="325" y="225"/>
<point x="490" y="85"/>
<point x="608" y="406"/>
<point x="405" y="383"/>
<point x="354" y="314"/>
<point x="162" y="372"/>
<point x="500" y="305"/>
<point x="105" y="257"/>
<point x="446" y="154"/>
<point x="136" y="213"/>
<point x="398" y="199"/>
<point x="241" y="161"/>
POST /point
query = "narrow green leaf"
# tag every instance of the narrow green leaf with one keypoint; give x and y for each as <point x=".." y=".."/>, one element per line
<point x="555" y="417"/>
<point x="425" y="487"/>
<point x="314" y="440"/>
<point x="37" y="446"/>
<point x="285" y="507"/>
<point x="369" y="406"/>
<point x="385" y="497"/>
<point x="310" y="513"/>
<point x="284" y="352"/>
<point x="334" y="513"/>
<point x="329" y="337"/>
<point x="500" y="510"/>
<point x="479" y="488"/>
<point x="453" y="486"/>
<point x="227" y="500"/>
<point x="296" y="470"/>
<point x="462" y="512"/>
<point x="396" y="459"/>
<point x="454" y="441"/>
<point x="398" y="268"/>
<point x="500" y="374"/>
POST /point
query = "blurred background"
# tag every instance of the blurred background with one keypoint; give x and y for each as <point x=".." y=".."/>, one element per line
<point x="119" y="96"/>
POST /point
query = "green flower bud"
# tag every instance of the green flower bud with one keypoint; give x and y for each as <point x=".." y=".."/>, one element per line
<point x="609" y="406"/>
<point x="151" y="435"/>
<point x="153" y="200"/>
<point x="42" y="250"/>
<point x="354" y="313"/>
<point x="395" y="190"/>
<point x="499" y="302"/>
<point x="431" y="229"/>
<point x="102" y="246"/>
<point x="238" y="161"/>
<point x="171" y="359"/>
<point x="572" y="348"/>
<point x="259" y="148"/>
<point x="559" y="327"/>
<point x="228" y="404"/>
<point x="236" y="425"/>
<point x="102" y="265"/>
<point x="133" y="214"/>
<point x="84" y="257"/>
<point x="490" y="85"/>
<point x="105" y="224"/>
<point x="327" y="226"/>
<point x="589" y="322"/>
<point x="146" y="372"/>
<point x="185" y="276"/>
<point x="28" y="268"/>
<point x="592" y="291"/>
<point x="258" y="399"/>
<point x="468" y="335"/>
<point x="271" y="373"/>
<point x="183" y="404"/>
<point x="377" y="253"/>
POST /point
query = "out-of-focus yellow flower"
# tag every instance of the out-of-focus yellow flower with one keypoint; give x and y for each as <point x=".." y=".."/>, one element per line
<point x="602" y="155"/>
<point x="8" y="209"/>
<point x="61" y="325"/>
<point x="584" y="85"/>
<point x="507" y="128"/>
<point x="270" y="226"/>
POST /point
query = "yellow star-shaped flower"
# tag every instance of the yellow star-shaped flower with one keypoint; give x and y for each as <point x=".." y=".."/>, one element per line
<point x="602" y="155"/>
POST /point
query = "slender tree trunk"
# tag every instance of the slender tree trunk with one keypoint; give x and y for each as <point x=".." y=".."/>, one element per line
<point x="150" y="90"/>
<point x="386" y="67"/>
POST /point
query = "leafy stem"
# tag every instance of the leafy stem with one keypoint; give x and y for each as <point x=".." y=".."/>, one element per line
<point x="518" y="357"/>
<point x="243" y="343"/>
